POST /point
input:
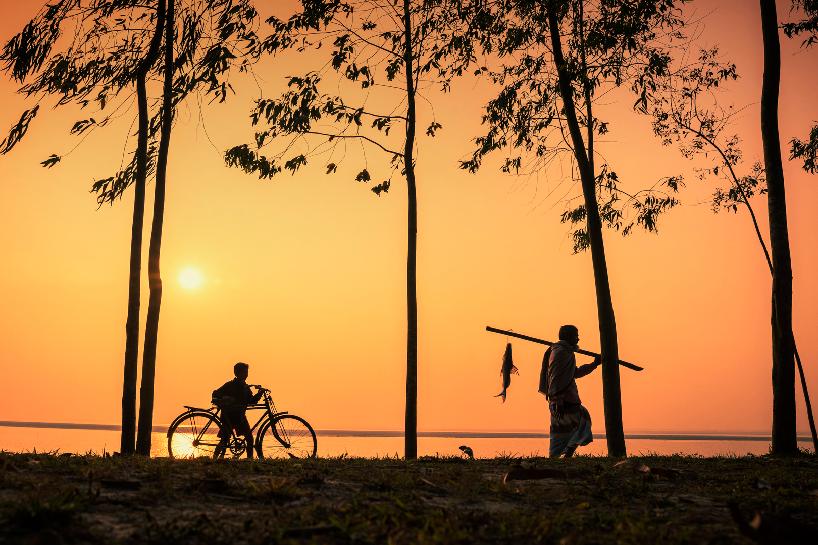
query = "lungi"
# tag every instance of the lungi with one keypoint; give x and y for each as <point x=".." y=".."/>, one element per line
<point x="571" y="428"/>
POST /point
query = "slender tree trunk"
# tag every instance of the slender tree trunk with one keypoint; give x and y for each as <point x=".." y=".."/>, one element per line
<point x="784" y="441"/>
<point x="810" y="417"/>
<point x="411" y="416"/>
<point x="146" y="392"/>
<point x="607" y="322"/>
<point x="757" y="228"/>
<point x="128" y="436"/>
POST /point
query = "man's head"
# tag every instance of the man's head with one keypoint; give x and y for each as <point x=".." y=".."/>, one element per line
<point x="570" y="334"/>
<point x="240" y="370"/>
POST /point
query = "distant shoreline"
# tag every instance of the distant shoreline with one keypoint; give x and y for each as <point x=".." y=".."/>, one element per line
<point x="448" y="434"/>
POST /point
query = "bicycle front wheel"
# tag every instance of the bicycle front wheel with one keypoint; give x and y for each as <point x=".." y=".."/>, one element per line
<point x="194" y="435"/>
<point x="288" y="436"/>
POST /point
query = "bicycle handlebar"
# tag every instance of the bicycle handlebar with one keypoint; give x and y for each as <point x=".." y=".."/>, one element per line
<point x="259" y="386"/>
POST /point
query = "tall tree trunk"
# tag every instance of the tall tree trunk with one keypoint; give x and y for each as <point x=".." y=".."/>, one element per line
<point x="146" y="391"/>
<point x="784" y="441"/>
<point x="128" y="436"/>
<point x="607" y="321"/>
<point x="411" y="417"/>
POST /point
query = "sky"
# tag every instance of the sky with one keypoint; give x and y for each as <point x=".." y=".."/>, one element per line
<point x="303" y="276"/>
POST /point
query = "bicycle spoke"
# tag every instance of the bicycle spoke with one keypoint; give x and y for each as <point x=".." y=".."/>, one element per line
<point x="187" y="439"/>
<point x="288" y="437"/>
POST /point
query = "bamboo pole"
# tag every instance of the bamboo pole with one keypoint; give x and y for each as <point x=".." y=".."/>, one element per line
<point x="623" y="363"/>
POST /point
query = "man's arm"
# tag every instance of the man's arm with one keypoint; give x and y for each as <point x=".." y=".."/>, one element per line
<point x="543" y="388"/>
<point x="588" y="368"/>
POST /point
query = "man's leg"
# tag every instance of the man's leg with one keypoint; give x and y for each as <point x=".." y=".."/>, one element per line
<point x="557" y="444"/>
<point x="582" y="435"/>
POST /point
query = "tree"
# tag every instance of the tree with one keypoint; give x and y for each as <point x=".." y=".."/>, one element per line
<point x="107" y="47"/>
<point x="146" y="390"/>
<point x="128" y="436"/>
<point x="376" y="48"/>
<point x="784" y="441"/>
<point x="686" y="112"/>
<point x="560" y="55"/>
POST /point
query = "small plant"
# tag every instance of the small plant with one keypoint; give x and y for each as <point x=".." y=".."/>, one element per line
<point x="40" y="511"/>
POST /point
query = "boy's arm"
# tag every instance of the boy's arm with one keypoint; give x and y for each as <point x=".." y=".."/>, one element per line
<point x="226" y="394"/>
<point x="253" y="397"/>
<point x="257" y="396"/>
<point x="220" y="391"/>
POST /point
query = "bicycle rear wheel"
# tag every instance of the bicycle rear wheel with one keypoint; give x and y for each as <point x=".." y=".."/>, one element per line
<point x="194" y="435"/>
<point x="288" y="436"/>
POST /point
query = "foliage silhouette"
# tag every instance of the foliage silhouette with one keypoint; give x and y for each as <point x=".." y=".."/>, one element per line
<point x="806" y="150"/>
<point x="378" y="49"/>
<point x="558" y="58"/>
<point x="686" y="112"/>
<point x="89" y="54"/>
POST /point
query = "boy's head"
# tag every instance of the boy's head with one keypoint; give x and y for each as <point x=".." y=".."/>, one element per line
<point x="240" y="370"/>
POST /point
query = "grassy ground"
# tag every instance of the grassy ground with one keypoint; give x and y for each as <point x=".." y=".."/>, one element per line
<point x="47" y="499"/>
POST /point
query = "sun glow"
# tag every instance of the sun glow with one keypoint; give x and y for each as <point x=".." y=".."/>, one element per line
<point x="191" y="278"/>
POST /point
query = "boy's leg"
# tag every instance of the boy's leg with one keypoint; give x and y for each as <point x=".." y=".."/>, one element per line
<point x="569" y="451"/>
<point x="222" y="446"/>
<point x="244" y="430"/>
<point x="225" y="433"/>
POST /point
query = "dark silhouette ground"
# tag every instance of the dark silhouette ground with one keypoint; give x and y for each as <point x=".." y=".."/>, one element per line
<point x="88" y="499"/>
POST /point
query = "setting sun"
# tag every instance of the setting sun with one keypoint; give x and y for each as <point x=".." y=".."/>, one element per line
<point x="191" y="278"/>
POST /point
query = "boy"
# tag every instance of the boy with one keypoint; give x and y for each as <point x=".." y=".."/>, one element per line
<point x="232" y="398"/>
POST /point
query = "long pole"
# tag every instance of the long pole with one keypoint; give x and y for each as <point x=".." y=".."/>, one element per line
<point x="623" y="363"/>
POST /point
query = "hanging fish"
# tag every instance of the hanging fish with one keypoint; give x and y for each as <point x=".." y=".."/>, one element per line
<point x="507" y="370"/>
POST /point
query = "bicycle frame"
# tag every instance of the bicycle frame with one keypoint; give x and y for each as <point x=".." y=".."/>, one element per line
<point x="270" y="413"/>
<point x="268" y="406"/>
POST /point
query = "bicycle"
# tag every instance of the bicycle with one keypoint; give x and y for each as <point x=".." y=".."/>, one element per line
<point x="196" y="433"/>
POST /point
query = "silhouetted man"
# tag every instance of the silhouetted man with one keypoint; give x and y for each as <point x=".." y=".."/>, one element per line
<point x="232" y="398"/>
<point x="570" y="421"/>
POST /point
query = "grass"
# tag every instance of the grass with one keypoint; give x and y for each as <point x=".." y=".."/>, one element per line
<point x="46" y="498"/>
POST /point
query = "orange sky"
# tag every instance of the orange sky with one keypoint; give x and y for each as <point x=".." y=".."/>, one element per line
<point x="304" y="275"/>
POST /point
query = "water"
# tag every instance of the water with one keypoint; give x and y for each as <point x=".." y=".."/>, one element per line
<point x="381" y="444"/>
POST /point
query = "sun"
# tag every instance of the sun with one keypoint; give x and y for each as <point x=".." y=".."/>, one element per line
<point x="191" y="278"/>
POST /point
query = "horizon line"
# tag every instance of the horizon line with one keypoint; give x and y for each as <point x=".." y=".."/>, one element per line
<point x="669" y="436"/>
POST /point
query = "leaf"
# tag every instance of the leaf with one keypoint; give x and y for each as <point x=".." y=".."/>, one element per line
<point x="332" y="167"/>
<point x="363" y="176"/>
<point x="51" y="161"/>
<point x="83" y="125"/>
<point x="382" y="187"/>
<point x="18" y="131"/>
<point x="430" y="131"/>
<point x="251" y="162"/>
<point x="295" y="163"/>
